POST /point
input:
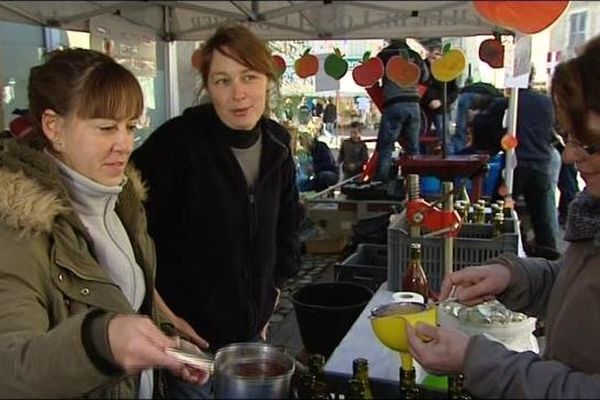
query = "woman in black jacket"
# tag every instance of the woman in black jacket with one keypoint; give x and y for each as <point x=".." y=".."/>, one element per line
<point x="223" y="201"/>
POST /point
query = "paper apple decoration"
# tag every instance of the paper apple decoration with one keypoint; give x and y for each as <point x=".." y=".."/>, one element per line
<point x="508" y="142"/>
<point x="449" y="66"/>
<point x="492" y="52"/>
<point x="279" y="64"/>
<point x="369" y="71"/>
<point x="335" y="65"/>
<point x="524" y="16"/>
<point x="402" y="71"/>
<point x="307" y="65"/>
<point x="197" y="59"/>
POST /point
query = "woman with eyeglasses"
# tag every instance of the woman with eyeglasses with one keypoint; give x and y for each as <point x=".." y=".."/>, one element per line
<point x="566" y="292"/>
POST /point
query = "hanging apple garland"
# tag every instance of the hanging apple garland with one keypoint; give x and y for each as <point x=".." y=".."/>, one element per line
<point x="449" y="66"/>
<point x="399" y="68"/>
<point x="369" y="71"/>
<point x="335" y="65"/>
<point x="307" y="65"/>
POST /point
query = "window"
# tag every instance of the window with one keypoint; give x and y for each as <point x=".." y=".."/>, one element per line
<point x="577" y="27"/>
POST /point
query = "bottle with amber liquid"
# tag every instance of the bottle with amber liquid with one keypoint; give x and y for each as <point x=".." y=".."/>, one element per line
<point x="414" y="279"/>
<point x="455" y="388"/>
<point x="360" y="371"/>
<point x="408" y="384"/>
<point x="316" y="367"/>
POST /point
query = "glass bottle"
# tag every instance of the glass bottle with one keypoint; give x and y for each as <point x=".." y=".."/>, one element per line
<point x="355" y="389"/>
<point x="455" y="388"/>
<point x="498" y="224"/>
<point x="408" y="384"/>
<point x="478" y="214"/>
<point x="360" y="371"/>
<point x="414" y="279"/>
<point x="306" y="389"/>
<point x="463" y="194"/>
<point x="507" y="209"/>
<point x="316" y="366"/>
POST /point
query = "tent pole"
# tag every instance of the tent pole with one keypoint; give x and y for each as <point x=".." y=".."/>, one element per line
<point x="510" y="156"/>
<point x="171" y="73"/>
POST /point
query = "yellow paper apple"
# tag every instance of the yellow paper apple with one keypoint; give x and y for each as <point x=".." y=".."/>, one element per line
<point x="449" y="66"/>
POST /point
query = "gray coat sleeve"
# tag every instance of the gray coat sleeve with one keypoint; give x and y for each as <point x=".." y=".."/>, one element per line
<point x="493" y="371"/>
<point x="531" y="282"/>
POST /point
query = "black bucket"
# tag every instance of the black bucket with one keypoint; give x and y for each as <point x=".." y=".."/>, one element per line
<point x="325" y="311"/>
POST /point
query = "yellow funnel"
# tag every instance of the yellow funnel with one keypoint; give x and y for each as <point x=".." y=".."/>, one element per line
<point x="389" y="324"/>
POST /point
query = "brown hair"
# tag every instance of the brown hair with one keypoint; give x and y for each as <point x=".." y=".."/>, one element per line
<point x="576" y="91"/>
<point x="85" y="83"/>
<point x="242" y="45"/>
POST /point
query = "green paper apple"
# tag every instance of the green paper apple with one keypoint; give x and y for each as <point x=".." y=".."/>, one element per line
<point x="335" y="65"/>
<point x="369" y="71"/>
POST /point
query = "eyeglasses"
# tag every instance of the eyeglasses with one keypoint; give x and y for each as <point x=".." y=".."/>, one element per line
<point x="583" y="149"/>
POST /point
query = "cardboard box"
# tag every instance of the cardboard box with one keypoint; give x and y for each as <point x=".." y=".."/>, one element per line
<point x="326" y="245"/>
<point x="332" y="220"/>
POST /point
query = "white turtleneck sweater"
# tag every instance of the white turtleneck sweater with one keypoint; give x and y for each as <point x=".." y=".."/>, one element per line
<point x="95" y="203"/>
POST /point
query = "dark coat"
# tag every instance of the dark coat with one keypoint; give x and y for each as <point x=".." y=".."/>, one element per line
<point x="435" y="91"/>
<point x="222" y="248"/>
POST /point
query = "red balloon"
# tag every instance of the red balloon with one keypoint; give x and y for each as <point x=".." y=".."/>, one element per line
<point x="524" y="16"/>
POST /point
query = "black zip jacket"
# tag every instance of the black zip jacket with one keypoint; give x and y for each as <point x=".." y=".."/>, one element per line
<point x="222" y="248"/>
<point x="435" y="91"/>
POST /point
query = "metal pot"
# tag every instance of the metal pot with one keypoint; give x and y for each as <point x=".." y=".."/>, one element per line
<point x="252" y="371"/>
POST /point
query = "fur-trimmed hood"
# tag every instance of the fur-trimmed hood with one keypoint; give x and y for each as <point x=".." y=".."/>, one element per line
<point x="32" y="193"/>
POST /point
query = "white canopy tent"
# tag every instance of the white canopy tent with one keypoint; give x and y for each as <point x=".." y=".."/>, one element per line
<point x="173" y="21"/>
<point x="271" y="20"/>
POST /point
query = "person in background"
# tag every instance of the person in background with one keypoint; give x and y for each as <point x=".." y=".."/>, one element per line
<point x="567" y="183"/>
<point x="353" y="153"/>
<point x="318" y="110"/>
<point x="401" y="115"/>
<point x="564" y="292"/>
<point x="323" y="169"/>
<point x="223" y="204"/>
<point x="538" y="165"/>
<point x="432" y="102"/>
<point x="303" y="112"/>
<point x="485" y="125"/>
<point x="469" y="95"/>
<point x="78" y="309"/>
<point x="330" y="117"/>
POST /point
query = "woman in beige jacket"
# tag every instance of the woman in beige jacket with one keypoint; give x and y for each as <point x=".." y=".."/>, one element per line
<point x="77" y="314"/>
<point x="565" y="292"/>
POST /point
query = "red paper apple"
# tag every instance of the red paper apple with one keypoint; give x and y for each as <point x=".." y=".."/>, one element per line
<point x="279" y="64"/>
<point x="524" y="16"/>
<point x="197" y="58"/>
<point x="402" y="71"/>
<point x="307" y="65"/>
<point x="369" y="71"/>
<point x="492" y="52"/>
